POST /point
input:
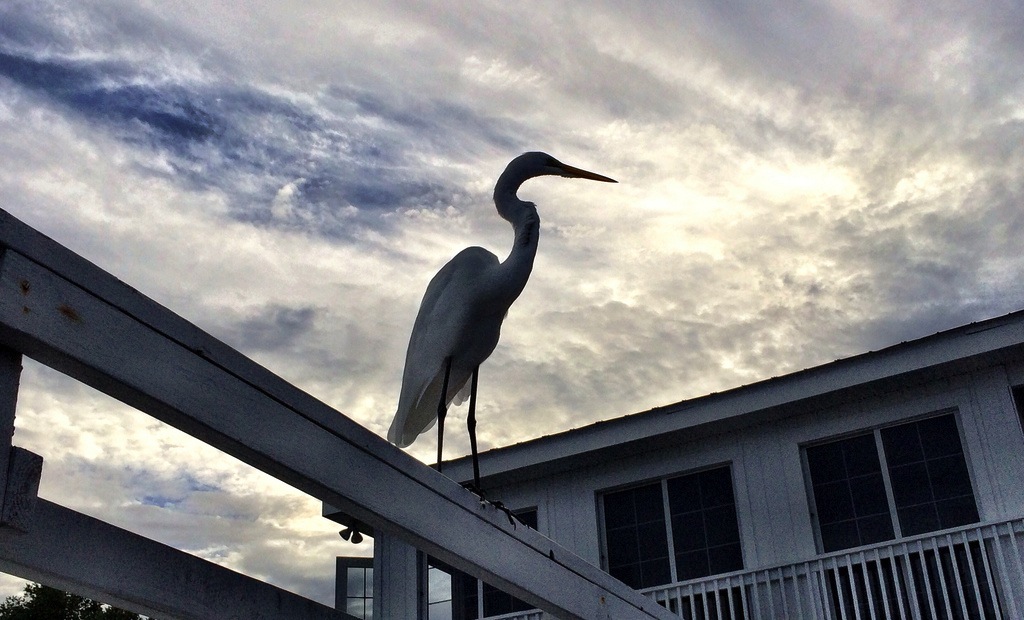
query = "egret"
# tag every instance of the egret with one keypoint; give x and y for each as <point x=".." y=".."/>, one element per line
<point x="460" y="317"/>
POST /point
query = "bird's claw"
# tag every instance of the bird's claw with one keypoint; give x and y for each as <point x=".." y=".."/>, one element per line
<point x="508" y="513"/>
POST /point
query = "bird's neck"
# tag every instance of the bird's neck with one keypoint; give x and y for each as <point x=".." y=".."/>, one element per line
<point x="515" y="270"/>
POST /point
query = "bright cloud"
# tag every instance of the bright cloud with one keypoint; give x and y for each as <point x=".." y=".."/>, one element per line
<point x="798" y="182"/>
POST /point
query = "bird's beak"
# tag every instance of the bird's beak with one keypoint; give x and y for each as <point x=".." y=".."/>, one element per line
<point x="577" y="173"/>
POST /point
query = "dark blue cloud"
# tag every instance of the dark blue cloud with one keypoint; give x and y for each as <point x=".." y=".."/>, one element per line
<point x="351" y="155"/>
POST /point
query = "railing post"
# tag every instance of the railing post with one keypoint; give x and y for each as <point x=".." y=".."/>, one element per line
<point x="10" y="378"/>
<point x="399" y="579"/>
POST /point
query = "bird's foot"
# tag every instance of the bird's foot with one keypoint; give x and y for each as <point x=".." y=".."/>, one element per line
<point x="508" y="513"/>
<point x="475" y="490"/>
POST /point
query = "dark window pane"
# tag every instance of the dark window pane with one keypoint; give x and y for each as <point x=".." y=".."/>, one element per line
<point x="692" y="564"/>
<point x="841" y="535"/>
<point x="949" y="477"/>
<point x="834" y="502"/>
<point x="649" y="503"/>
<point x="934" y="493"/>
<point x="618" y="509"/>
<point x="527" y="517"/>
<point x="957" y="511"/>
<point x="724" y="559"/>
<point x="464" y="595"/>
<point x="622" y="546"/>
<point x="826" y="463"/>
<point x="918" y="519"/>
<point x="875" y="529"/>
<point x="939" y="436"/>
<point x="703" y="506"/>
<point x="653" y="540"/>
<point x="852" y="510"/>
<point x="496" y="602"/>
<point x="868" y="494"/>
<point x="721" y="527"/>
<point x="688" y="531"/>
<point x="684" y="494"/>
<point x="628" y="574"/>
<point x="1018" y="401"/>
<point x="655" y="572"/>
<point x="910" y="484"/>
<point x="639" y="534"/>
<point x="861" y="455"/>
<point x="716" y="487"/>
<point x="902" y="445"/>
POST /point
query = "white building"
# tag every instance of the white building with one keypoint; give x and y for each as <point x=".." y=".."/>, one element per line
<point x="887" y="485"/>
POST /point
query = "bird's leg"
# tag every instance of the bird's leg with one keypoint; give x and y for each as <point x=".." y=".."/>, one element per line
<point x="471" y="423"/>
<point x="442" y="409"/>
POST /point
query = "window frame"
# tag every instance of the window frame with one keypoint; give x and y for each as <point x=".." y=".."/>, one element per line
<point x="341" y="594"/>
<point x="662" y="481"/>
<point x="876" y="432"/>
<point x="479" y="586"/>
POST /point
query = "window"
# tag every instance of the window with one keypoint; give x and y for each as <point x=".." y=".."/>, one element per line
<point x="696" y="512"/>
<point x="454" y="595"/>
<point x="900" y="480"/>
<point x="354" y="591"/>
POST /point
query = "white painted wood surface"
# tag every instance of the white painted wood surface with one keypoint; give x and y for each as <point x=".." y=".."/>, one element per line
<point x="65" y="312"/>
<point x="77" y="553"/>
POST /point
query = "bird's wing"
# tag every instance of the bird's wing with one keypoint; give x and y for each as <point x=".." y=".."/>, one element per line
<point x="437" y="332"/>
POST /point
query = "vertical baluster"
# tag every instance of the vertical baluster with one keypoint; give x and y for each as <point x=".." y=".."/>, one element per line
<point x="960" y="590"/>
<point x="897" y="588"/>
<point x="943" y="587"/>
<point x="704" y="600"/>
<point x="1015" y="553"/>
<point x="800" y="599"/>
<point x="973" y="570"/>
<point x="771" y="596"/>
<point x="757" y="596"/>
<point x="867" y="585"/>
<point x="1003" y="571"/>
<point x="732" y="603"/>
<point x="853" y="586"/>
<point x="838" y="583"/>
<point x="821" y="586"/>
<point x="991" y="575"/>
<point x="912" y="587"/>
<point x="715" y="602"/>
<point x="883" y="583"/>
<point x="927" y="579"/>
<point x="782" y="591"/>
<point x="743" y="597"/>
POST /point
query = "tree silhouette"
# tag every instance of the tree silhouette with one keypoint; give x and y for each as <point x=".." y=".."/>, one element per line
<point x="40" y="602"/>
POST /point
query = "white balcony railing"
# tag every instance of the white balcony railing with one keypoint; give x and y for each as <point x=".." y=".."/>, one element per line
<point x="966" y="573"/>
<point x="969" y="573"/>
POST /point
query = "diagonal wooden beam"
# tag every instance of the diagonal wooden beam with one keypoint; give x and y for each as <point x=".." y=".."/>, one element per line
<point x="65" y="312"/>
<point x="77" y="553"/>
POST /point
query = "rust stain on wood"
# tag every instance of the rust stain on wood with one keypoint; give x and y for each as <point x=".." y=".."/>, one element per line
<point x="70" y="313"/>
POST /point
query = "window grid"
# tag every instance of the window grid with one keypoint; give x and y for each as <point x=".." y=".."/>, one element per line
<point x="628" y="565"/>
<point x="950" y="502"/>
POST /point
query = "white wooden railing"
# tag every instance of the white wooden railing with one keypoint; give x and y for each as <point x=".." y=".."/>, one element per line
<point x="970" y="572"/>
<point x="974" y="572"/>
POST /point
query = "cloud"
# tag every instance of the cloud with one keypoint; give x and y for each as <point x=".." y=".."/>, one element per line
<point x="798" y="182"/>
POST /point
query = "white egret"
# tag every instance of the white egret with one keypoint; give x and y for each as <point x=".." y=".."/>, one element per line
<point x="462" y="309"/>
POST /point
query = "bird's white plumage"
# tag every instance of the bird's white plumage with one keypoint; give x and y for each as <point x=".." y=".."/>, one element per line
<point x="465" y="303"/>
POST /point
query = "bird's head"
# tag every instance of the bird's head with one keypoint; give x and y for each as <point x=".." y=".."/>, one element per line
<point x="536" y="163"/>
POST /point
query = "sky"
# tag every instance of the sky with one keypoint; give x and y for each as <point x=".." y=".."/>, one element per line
<point x="799" y="182"/>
